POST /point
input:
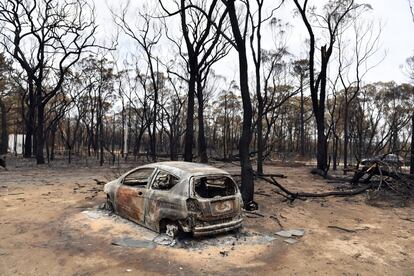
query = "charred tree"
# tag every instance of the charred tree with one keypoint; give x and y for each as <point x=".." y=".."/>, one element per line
<point x="147" y="35"/>
<point x="57" y="34"/>
<point x="247" y="185"/>
<point x="412" y="145"/>
<point x="201" y="28"/>
<point x="336" y="14"/>
<point x="4" y="137"/>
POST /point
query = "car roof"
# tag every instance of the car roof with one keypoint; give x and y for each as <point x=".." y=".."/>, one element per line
<point x="181" y="168"/>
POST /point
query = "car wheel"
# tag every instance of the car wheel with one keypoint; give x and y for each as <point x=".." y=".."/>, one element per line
<point x="171" y="230"/>
<point x="108" y="205"/>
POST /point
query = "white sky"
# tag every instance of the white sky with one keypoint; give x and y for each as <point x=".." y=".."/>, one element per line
<point x="397" y="37"/>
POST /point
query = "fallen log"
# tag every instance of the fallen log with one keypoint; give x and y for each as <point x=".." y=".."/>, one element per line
<point x="294" y="195"/>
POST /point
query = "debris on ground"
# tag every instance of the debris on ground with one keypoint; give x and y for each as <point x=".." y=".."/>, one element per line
<point x="284" y="234"/>
<point x="297" y="232"/>
<point x="99" y="182"/>
<point x="92" y="214"/>
<point x="290" y="233"/>
<point x="224" y="253"/>
<point x="130" y="242"/>
<point x="251" y="214"/>
<point x="164" y="239"/>
<point x="149" y="237"/>
<point x="379" y="176"/>
<point x="290" y="241"/>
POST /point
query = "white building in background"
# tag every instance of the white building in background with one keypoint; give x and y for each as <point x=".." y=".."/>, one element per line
<point x="16" y="143"/>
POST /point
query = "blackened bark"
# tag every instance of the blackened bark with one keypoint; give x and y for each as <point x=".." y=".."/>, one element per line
<point x="199" y="48"/>
<point x="52" y="142"/>
<point x="412" y="145"/>
<point x="193" y="66"/>
<point x="40" y="139"/>
<point x="189" y="131"/>
<point x="123" y="133"/>
<point x="100" y="132"/>
<point x="153" y="137"/>
<point x="247" y="185"/>
<point x="29" y="121"/>
<point x="322" y="147"/>
<point x="302" y="119"/>
<point x="257" y="57"/>
<point x="4" y="138"/>
<point x="346" y="132"/>
<point x="173" y="148"/>
<point x="318" y="84"/>
<point x="202" y="144"/>
<point x="260" y="142"/>
<point x="335" y="146"/>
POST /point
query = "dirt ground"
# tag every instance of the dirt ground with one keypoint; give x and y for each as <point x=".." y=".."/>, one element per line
<point x="50" y="225"/>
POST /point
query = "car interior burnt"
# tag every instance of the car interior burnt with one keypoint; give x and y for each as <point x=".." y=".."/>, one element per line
<point x="164" y="181"/>
<point x="138" y="178"/>
<point x="214" y="186"/>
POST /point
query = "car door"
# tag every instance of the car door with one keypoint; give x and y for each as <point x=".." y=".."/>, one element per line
<point x="161" y="201"/>
<point x="131" y="194"/>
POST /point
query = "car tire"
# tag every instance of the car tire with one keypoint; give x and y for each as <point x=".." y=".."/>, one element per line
<point x="172" y="229"/>
<point x="108" y="205"/>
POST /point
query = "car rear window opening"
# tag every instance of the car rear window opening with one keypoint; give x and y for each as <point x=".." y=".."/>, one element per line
<point x="214" y="186"/>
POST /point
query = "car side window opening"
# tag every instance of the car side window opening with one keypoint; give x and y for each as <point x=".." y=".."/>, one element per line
<point x="164" y="181"/>
<point x="214" y="186"/>
<point x="138" y="178"/>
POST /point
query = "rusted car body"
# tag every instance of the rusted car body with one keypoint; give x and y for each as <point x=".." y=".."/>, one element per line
<point x="196" y="198"/>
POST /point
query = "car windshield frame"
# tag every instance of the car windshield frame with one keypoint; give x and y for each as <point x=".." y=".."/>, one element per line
<point x="150" y="178"/>
<point x="158" y="170"/>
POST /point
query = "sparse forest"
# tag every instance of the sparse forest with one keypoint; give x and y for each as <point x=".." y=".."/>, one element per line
<point x="206" y="137"/>
<point x="71" y="96"/>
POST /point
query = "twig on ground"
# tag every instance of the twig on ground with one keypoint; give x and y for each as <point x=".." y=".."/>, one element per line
<point x="408" y="219"/>
<point x="261" y="193"/>
<point x="254" y="213"/>
<point x="346" y="229"/>
<point x="277" y="220"/>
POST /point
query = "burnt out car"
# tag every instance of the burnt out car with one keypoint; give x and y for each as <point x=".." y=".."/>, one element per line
<point x="177" y="196"/>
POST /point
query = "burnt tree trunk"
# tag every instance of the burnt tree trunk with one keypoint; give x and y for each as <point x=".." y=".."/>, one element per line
<point x="322" y="148"/>
<point x="202" y="144"/>
<point x="412" y="145"/>
<point x="52" y="142"/>
<point x="173" y="148"/>
<point x="257" y="57"/>
<point x="153" y="141"/>
<point x="40" y="139"/>
<point x="260" y="142"/>
<point x="335" y="146"/>
<point x="30" y="122"/>
<point x="100" y="131"/>
<point x="247" y="185"/>
<point x="189" y="131"/>
<point x="302" y="119"/>
<point x="346" y="134"/>
<point x="4" y="138"/>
